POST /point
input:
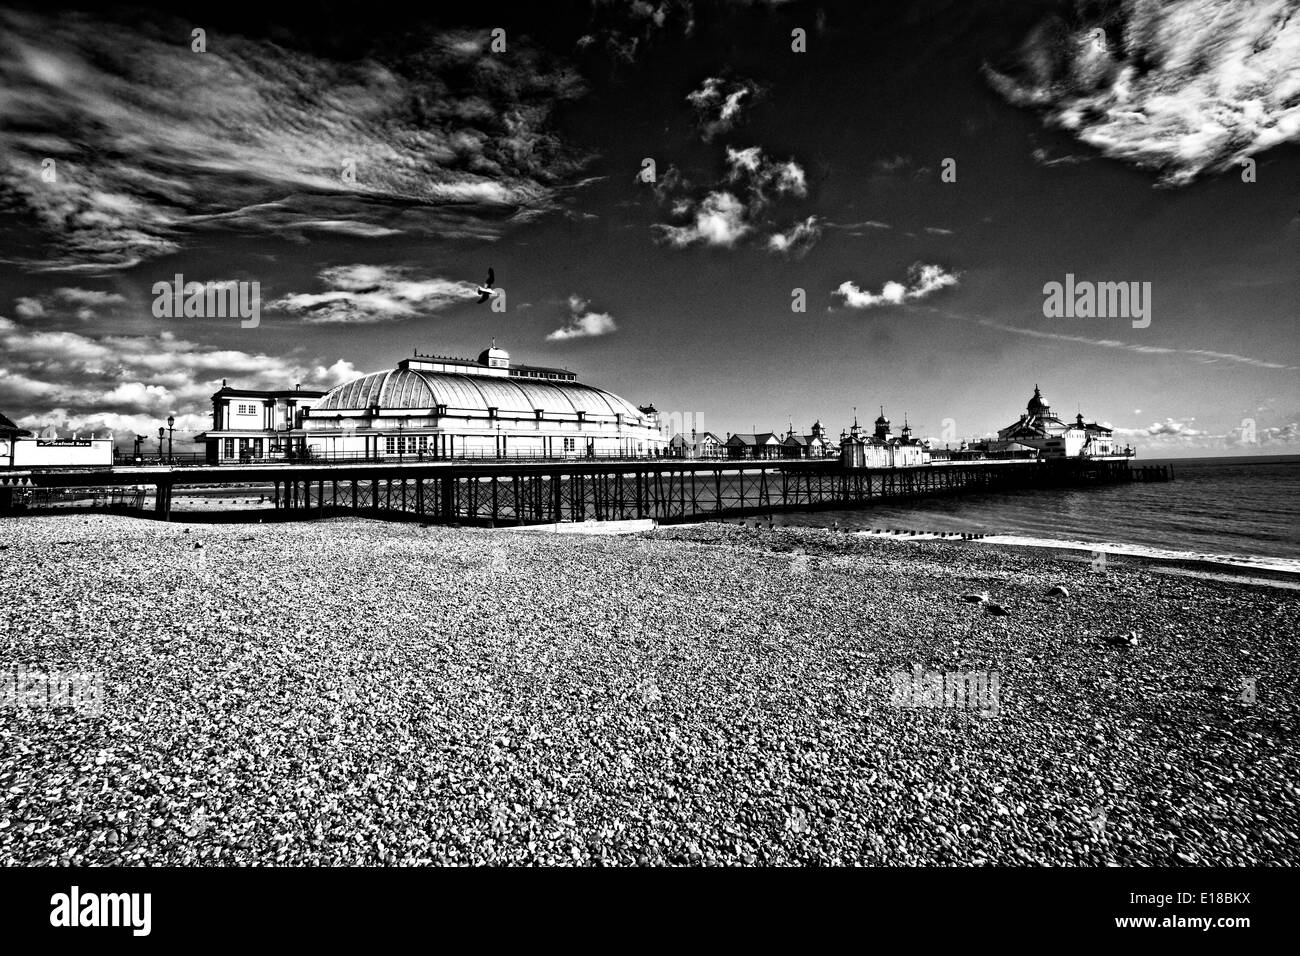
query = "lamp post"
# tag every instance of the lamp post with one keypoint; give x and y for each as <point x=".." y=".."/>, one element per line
<point x="139" y="440"/>
<point x="171" y="429"/>
<point x="401" y="442"/>
<point x="161" y="432"/>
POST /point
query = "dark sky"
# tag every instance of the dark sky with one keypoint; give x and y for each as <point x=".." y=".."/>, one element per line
<point x="1102" y="140"/>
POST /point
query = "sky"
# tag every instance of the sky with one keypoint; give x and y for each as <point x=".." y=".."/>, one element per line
<point x="914" y="176"/>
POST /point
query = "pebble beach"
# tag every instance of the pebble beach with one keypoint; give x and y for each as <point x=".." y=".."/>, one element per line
<point x="378" y="693"/>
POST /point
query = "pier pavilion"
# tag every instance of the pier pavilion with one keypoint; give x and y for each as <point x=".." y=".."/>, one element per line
<point x="438" y="407"/>
<point x="1039" y="428"/>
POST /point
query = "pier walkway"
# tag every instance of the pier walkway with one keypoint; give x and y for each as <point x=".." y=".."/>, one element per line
<point x="546" y="492"/>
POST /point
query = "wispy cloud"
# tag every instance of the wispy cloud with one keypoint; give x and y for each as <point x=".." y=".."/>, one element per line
<point x="718" y="103"/>
<point x="1178" y="87"/>
<point x="922" y="280"/>
<point x="1203" y="356"/>
<point x="797" y="240"/>
<point x="583" y="323"/>
<point x="622" y="29"/>
<point x="449" y="140"/>
<point x="83" y="304"/>
<point x="368" y="294"/>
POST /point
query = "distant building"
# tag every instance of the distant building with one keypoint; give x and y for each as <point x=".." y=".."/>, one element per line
<point x="695" y="445"/>
<point x="1040" y="429"/>
<point x="759" y="445"/>
<point x="436" y="407"/>
<point x="813" y="445"/>
<point x="882" y="448"/>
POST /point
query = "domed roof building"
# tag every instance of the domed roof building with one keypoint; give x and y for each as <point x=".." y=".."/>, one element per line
<point x="436" y="407"/>
<point x="1040" y="429"/>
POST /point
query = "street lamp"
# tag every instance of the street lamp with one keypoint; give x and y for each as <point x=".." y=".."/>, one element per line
<point x="401" y="442"/>
<point x="171" y="429"/>
<point x="139" y="440"/>
<point x="161" y="432"/>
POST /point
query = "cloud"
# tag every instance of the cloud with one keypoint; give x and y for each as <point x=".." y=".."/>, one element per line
<point x="891" y="164"/>
<point x="1044" y="158"/>
<point x="856" y="228"/>
<point x="1177" y="87"/>
<point x="797" y="240"/>
<point x="129" y="384"/>
<point x="750" y="168"/>
<point x="583" y="323"/>
<point x="621" y="30"/>
<point x="254" y="135"/>
<point x="1170" y="426"/>
<point x="1203" y="356"/>
<point x="1182" y="433"/>
<point x="368" y="294"/>
<point x="922" y="280"/>
<point x="81" y="303"/>
<point x="736" y="206"/>
<point x="718" y="220"/>
<point x="718" y="104"/>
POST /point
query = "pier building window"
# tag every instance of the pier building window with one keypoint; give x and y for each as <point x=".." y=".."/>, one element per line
<point x="228" y="448"/>
<point x="390" y="445"/>
<point x="570" y="444"/>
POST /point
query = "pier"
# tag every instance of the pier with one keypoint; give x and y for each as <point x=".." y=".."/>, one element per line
<point x="506" y="492"/>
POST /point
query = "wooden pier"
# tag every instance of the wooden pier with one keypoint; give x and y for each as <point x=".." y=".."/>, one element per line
<point x="504" y="492"/>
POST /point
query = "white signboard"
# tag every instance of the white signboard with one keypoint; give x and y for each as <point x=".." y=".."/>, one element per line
<point x="54" y="453"/>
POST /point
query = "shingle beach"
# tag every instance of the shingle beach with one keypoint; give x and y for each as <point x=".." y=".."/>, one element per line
<point x="364" y="692"/>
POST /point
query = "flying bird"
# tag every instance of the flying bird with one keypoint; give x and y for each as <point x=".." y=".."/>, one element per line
<point x="486" y="291"/>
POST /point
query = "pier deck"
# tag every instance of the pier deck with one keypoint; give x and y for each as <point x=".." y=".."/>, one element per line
<point x="506" y="492"/>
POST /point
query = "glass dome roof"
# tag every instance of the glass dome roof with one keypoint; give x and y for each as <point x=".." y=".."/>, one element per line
<point x="408" y="389"/>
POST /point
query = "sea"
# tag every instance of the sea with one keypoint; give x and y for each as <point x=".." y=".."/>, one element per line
<point x="1242" y="511"/>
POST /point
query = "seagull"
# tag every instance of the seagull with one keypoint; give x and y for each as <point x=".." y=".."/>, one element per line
<point x="1127" y="640"/>
<point x="981" y="598"/>
<point x="486" y="291"/>
<point x="1058" y="591"/>
<point x="997" y="610"/>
